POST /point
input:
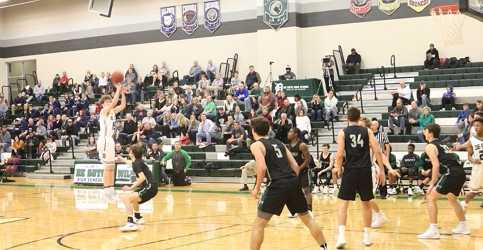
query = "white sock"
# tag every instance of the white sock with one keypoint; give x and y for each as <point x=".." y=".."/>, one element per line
<point x="342" y="232"/>
<point x="433" y="227"/>
<point x="366" y="236"/>
<point x="366" y="230"/>
<point x="463" y="223"/>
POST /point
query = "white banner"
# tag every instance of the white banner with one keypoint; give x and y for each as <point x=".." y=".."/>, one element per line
<point x="168" y="20"/>
<point x="190" y="18"/>
<point x="125" y="175"/>
<point x="90" y="173"/>
<point x="212" y="15"/>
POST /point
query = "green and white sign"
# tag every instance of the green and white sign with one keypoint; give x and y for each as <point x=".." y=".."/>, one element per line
<point x="275" y="13"/>
<point x="125" y="175"/>
<point x="88" y="173"/>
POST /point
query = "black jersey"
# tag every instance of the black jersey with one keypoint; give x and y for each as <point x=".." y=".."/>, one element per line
<point x="357" y="153"/>
<point x="138" y="166"/>
<point x="324" y="162"/>
<point x="448" y="162"/>
<point x="276" y="160"/>
<point x="409" y="160"/>
<point x="297" y="154"/>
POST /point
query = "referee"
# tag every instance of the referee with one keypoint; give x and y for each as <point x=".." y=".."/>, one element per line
<point x="383" y="141"/>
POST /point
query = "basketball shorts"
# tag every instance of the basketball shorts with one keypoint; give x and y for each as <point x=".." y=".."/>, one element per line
<point x="451" y="183"/>
<point x="476" y="179"/>
<point x="356" y="181"/>
<point x="106" y="150"/>
<point x="304" y="178"/>
<point x="283" y="192"/>
<point x="147" y="193"/>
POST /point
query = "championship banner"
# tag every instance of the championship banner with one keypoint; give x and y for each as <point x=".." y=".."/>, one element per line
<point x="190" y="18"/>
<point x="168" y="21"/>
<point x="418" y="5"/>
<point x="388" y="7"/>
<point x="89" y="173"/>
<point x="125" y="175"/>
<point x="360" y="8"/>
<point x="212" y="15"/>
<point x="275" y="13"/>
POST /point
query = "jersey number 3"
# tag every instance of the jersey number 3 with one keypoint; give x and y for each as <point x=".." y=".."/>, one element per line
<point x="355" y="140"/>
<point x="278" y="152"/>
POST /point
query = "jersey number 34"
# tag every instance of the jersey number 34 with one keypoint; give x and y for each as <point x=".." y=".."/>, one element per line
<point x="356" y="140"/>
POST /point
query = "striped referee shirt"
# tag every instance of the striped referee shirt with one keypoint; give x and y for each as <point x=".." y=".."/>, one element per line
<point x="382" y="139"/>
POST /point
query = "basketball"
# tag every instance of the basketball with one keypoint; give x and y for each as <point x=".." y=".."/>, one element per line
<point x="117" y="77"/>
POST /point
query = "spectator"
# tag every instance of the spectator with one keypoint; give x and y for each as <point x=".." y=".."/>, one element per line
<point x="18" y="146"/>
<point x="203" y="84"/>
<point x="409" y="169"/>
<point x="425" y="119"/>
<point x="432" y="58"/>
<point x="39" y="92"/>
<point x="165" y="73"/>
<point x="462" y="119"/>
<point x="238" y="116"/>
<point x="403" y="92"/>
<point x="289" y="75"/>
<point x="267" y="100"/>
<point x="103" y="81"/>
<point x="241" y="95"/>
<point x="3" y="108"/>
<point x="5" y="140"/>
<point x="216" y="86"/>
<point x="281" y="128"/>
<point x="235" y="80"/>
<point x="154" y="76"/>
<point x="448" y="99"/>
<point x="247" y="170"/>
<point x="206" y="131"/>
<point x="131" y="74"/>
<point x="353" y="63"/>
<point x="211" y="70"/>
<point x="237" y="137"/>
<point x="130" y="127"/>
<point x="423" y="95"/>
<point x="63" y="82"/>
<point x="155" y="153"/>
<point x="330" y="107"/>
<point x="317" y="108"/>
<point x="210" y="108"/>
<point x="193" y="126"/>
<point x="195" y="72"/>
<point x="300" y="104"/>
<point x="266" y="114"/>
<point x="149" y="119"/>
<point x="229" y="105"/>
<point x="413" y="116"/>
<point x="302" y="122"/>
<point x="56" y="83"/>
<point x="41" y="130"/>
<point x="479" y="106"/>
<point x="181" y="162"/>
<point x="328" y="69"/>
<point x="398" y="117"/>
<point x="252" y="77"/>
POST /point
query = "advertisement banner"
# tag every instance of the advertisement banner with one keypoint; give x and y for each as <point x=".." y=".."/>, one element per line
<point x="418" y="5"/>
<point x="275" y="13"/>
<point x="212" y="15"/>
<point x="89" y="173"/>
<point x="168" y="20"/>
<point x="190" y="18"/>
<point x="125" y="175"/>
<point x="360" y="8"/>
<point x="388" y="7"/>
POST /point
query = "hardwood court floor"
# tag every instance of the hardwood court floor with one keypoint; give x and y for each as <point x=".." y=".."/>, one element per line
<point x="52" y="215"/>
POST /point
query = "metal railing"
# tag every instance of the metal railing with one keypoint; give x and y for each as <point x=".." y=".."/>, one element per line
<point x="382" y="73"/>
<point x="393" y="64"/>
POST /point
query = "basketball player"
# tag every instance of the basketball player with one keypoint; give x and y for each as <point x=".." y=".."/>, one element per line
<point x="273" y="158"/>
<point x="355" y="142"/>
<point x="475" y="156"/>
<point x="323" y="174"/>
<point x="301" y="154"/>
<point x="448" y="179"/>
<point x="144" y="189"/>
<point x="105" y="143"/>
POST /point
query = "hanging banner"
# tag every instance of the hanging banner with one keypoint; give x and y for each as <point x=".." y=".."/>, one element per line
<point x="360" y="8"/>
<point x="388" y="7"/>
<point x="168" y="20"/>
<point x="418" y="5"/>
<point x="212" y="15"/>
<point x="275" y="13"/>
<point x="190" y="18"/>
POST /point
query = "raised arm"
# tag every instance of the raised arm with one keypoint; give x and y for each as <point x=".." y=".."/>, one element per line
<point x="115" y="100"/>
<point x="122" y="106"/>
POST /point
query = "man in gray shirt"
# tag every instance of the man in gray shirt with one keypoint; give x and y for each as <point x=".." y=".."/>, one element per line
<point x="397" y="117"/>
<point x="413" y="115"/>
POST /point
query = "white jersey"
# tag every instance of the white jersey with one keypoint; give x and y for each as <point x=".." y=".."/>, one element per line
<point x="477" y="144"/>
<point x="476" y="179"/>
<point x="106" y="125"/>
<point x="105" y="143"/>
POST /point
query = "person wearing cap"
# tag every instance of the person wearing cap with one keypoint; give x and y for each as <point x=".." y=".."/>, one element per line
<point x="289" y="75"/>
<point x="353" y="63"/>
